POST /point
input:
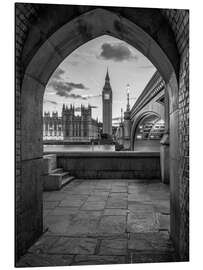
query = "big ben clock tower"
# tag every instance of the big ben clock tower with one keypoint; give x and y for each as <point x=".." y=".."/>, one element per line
<point x="107" y="106"/>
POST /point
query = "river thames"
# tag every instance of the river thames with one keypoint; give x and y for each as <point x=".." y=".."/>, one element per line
<point x="78" y="148"/>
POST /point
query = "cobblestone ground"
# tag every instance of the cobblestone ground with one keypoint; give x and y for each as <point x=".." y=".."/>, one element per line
<point x="104" y="222"/>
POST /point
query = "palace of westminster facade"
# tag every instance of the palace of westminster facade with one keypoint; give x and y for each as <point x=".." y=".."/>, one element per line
<point x="79" y="128"/>
<point x="70" y="127"/>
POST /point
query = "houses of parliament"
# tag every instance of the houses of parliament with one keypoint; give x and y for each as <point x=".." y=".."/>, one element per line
<point x="79" y="128"/>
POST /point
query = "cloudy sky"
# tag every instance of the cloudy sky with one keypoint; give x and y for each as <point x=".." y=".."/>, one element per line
<point x="79" y="79"/>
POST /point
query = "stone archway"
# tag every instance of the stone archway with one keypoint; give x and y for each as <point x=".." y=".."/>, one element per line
<point x="47" y="57"/>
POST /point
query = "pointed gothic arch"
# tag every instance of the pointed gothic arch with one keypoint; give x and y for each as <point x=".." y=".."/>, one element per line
<point x="45" y="59"/>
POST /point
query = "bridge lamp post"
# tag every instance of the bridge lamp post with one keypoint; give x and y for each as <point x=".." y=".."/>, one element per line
<point x="126" y="123"/>
<point x="128" y="97"/>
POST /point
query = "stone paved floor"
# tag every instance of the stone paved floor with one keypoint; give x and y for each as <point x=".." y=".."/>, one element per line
<point x="104" y="222"/>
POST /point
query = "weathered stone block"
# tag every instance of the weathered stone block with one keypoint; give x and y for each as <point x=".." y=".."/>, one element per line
<point x="31" y="118"/>
<point x="96" y="260"/>
<point x="113" y="247"/>
<point x="32" y="185"/>
<point x="66" y="245"/>
<point x="49" y="163"/>
<point x="112" y="225"/>
<point x="149" y="242"/>
<point x="44" y="260"/>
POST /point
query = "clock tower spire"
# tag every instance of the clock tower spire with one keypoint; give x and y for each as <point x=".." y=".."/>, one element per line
<point x="107" y="105"/>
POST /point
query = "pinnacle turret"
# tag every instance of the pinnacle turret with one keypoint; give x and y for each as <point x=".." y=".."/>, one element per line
<point x="107" y="76"/>
<point x="107" y="86"/>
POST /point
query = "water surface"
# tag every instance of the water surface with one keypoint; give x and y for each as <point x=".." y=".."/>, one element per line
<point x="78" y="148"/>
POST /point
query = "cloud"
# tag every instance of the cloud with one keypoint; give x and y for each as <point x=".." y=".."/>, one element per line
<point x="64" y="89"/>
<point x="117" y="52"/>
<point x="78" y="108"/>
<point x="50" y="101"/>
<point x="57" y="74"/>
<point x="63" y="93"/>
<point x="91" y="96"/>
<point x="58" y="86"/>
<point x="66" y="86"/>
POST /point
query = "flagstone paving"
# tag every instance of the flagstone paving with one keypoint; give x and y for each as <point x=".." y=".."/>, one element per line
<point x="104" y="222"/>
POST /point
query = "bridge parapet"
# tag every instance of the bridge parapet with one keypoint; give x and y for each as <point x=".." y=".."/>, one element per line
<point x="153" y="102"/>
<point x="152" y="89"/>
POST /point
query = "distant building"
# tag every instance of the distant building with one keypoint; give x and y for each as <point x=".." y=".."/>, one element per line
<point x="107" y="106"/>
<point x="52" y="126"/>
<point x="70" y="127"/>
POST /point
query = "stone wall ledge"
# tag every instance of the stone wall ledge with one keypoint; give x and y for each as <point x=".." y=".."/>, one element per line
<point x="95" y="154"/>
<point x="110" y="165"/>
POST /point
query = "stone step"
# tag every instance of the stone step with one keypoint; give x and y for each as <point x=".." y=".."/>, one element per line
<point x="49" y="163"/>
<point x="54" y="181"/>
<point x="67" y="180"/>
<point x="58" y="170"/>
<point x="60" y="174"/>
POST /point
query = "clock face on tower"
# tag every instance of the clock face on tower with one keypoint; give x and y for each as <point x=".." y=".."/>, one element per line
<point x="106" y="96"/>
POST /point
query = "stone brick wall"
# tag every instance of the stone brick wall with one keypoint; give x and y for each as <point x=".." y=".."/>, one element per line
<point x="184" y="154"/>
<point x="24" y="14"/>
<point x="179" y="21"/>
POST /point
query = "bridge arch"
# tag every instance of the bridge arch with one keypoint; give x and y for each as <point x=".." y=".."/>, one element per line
<point x="45" y="59"/>
<point x="138" y="119"/>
